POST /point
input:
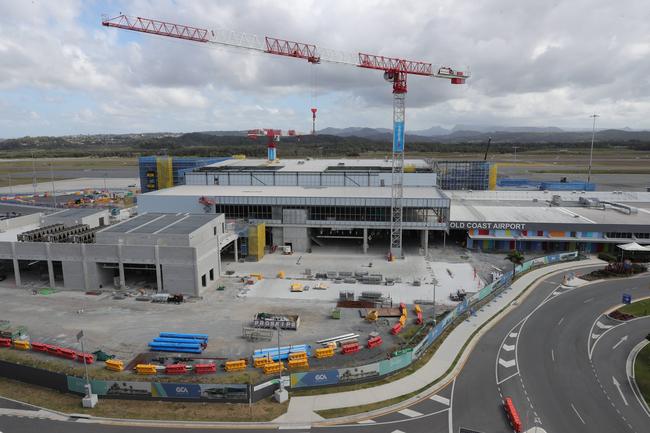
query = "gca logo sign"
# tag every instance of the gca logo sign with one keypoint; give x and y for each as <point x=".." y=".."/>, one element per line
<point x="319" y="377"/>
<point x="182" y="390"/>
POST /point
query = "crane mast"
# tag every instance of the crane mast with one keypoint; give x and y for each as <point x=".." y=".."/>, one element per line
<point x="395" y="71"/>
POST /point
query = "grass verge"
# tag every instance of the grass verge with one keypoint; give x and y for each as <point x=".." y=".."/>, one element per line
<point x="637" y="309"/>
<point x="642" y="372"/>
<point x="264" y="410"/>
<point x="97" y="370"/>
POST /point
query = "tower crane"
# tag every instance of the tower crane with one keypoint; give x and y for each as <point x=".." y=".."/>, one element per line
<point x="273" y="137"/>
<point x="395" y="71"/>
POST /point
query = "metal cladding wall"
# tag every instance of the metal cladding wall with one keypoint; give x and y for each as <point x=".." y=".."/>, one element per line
<point x="158" y="172"/>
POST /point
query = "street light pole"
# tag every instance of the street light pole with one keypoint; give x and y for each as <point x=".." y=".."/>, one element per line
<point x="591" y="152"/>
<point x="90" y="399"/>
<point x="281" y="394"/>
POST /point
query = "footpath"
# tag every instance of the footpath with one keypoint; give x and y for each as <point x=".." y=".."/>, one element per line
<point x="301" y="410"/>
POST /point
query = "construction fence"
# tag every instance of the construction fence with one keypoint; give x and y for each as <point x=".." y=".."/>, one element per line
<point x="403" y="358"/>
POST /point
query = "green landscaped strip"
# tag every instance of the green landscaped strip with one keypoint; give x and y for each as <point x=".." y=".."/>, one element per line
<point x="637" y="309"/>
<point x="262" y="411"/>
<point x="642" y="372"/>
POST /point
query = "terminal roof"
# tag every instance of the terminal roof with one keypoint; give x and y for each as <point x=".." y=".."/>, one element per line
<point x="159" y="223"/>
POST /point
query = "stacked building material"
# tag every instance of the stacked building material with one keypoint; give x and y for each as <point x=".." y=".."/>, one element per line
<point x="179" y="342"/>
<point x="272" y="352"/>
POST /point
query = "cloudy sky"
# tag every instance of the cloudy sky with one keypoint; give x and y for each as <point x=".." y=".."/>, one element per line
<point x="533" y="63"/>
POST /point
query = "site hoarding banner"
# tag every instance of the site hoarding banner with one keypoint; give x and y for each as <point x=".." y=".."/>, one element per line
<point x="395" y="363"/>
<point x="110" y="387"/>
<point x="176" y="390"/>
<point x="314" y="378"/>
<point x="220" y="392"/>
<point x="422" y="345"/>
<point x="362" y="372"/>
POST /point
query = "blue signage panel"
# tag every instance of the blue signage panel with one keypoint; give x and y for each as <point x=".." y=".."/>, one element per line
<point x="398" y="137"/>
<point x="627" y="299"/>
<point x="177" y="390"/>
<point x="315" y="378"/>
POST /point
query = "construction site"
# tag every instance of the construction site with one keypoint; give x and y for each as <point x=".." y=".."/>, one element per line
<point x="230" y="265"/>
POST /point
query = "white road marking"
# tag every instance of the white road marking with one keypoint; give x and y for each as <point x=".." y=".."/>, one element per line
<point x="513" y="334"/>
<point x="450" y="419"/>
<point x="294" y="427"/>
<point x="409" y="413"/>
<point x="507" y="364"/>
<point x="440" y="399"/>
<point x="595" y="336"/>
<point x="508" y="347"/>
<point x="367" y="421"/>
<point x="576" y="411"/>
<point x="552" y="355"/>
<point x="603" y="326"/>
<point x="618" y="386"/>
<point x="397" y="431"/>
<point x="619" y="342"/>
<point x="561" y="320"/>
<point x="506" y="379"/>
<point x="587" y="300"/>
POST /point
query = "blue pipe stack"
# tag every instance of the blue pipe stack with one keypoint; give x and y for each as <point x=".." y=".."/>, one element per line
<point x="284" y="351"/>
<point x="178" y="342"/>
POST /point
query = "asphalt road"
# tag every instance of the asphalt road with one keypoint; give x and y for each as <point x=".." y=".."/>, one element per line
<point x="539" y="355"/>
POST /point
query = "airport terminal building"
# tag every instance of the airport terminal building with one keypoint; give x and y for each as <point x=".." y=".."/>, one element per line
<point x="304" y="203"/>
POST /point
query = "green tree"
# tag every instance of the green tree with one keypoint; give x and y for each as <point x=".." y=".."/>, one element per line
<point x="517" y="258"/>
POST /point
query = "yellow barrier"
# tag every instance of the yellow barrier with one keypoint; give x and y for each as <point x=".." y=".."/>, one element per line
<point x="273" y="367"/>
<point x="257" y="276"/>
<point x="145" y="369"/>
<point x="235" y="365"/>
<point x="299" y="363"/>
<point x="417" y="309"/>
<point x="114" y="365"/>
<point x="324" y="352"/>
<point x="22" y="344"/>
<point x="261" y="362"/>
<point x="297" y="355"/>
<point x="402" y="320"/>
<point x="281" y="274"/>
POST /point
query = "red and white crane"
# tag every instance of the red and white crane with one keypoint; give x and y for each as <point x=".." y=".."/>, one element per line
<point x="273" y="137"/>
<point x="395" y="71"/>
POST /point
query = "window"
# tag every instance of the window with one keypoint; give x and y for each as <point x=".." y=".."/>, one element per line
<point x="204" y="281"/>
<point x="212" y="274"/>
<point x="215" y="230"/>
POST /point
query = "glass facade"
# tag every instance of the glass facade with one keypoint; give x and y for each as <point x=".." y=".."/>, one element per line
<point x="463" y="175"/>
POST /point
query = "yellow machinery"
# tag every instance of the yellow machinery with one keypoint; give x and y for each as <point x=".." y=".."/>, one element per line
<point x="372" y="315"/>
<point x="296" y="287"/>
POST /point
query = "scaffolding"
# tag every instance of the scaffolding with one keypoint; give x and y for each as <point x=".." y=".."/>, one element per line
<point x="465" y="175"/>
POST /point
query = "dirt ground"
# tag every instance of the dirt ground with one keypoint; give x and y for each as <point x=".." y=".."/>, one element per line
<point x="123" y="327"/>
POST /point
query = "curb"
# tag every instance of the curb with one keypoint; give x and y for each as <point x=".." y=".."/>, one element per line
<point x="459" y="363"/>
<point x="438" y="384"/>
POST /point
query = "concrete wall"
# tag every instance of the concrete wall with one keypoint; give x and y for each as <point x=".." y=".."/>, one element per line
<point x="298" y="237"/>
<point x="153" y="203"/>
<point x="181" y="267"/>
<point x="21" y="221"/>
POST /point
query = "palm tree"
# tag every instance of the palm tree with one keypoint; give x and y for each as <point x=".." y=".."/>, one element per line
<point x="517" y="258"/>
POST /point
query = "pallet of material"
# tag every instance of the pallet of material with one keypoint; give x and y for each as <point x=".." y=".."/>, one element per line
<point x="383" y="312"/>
